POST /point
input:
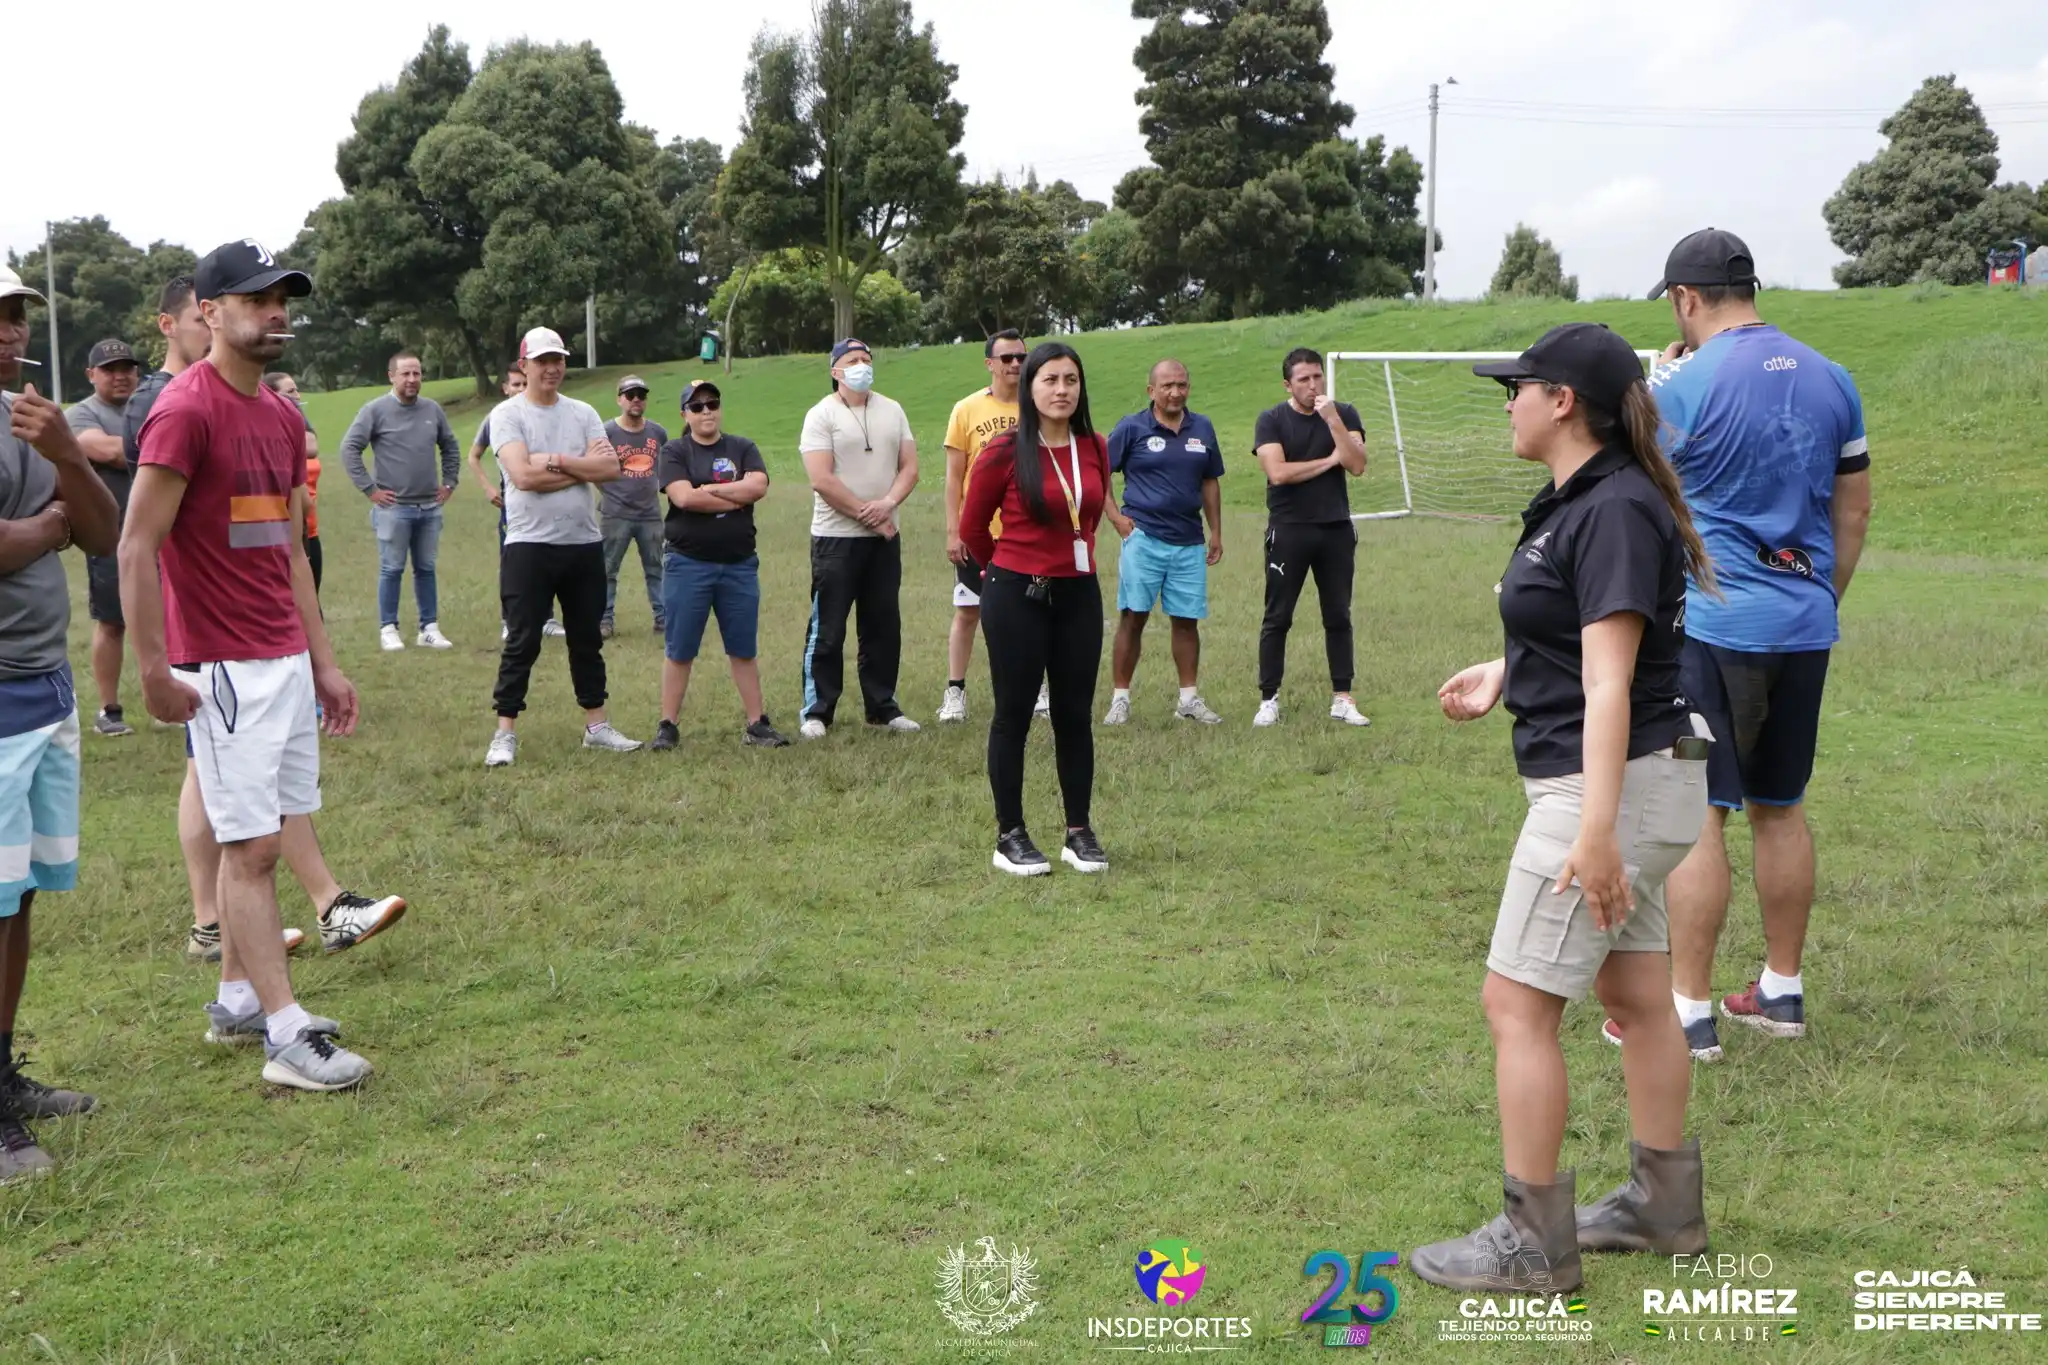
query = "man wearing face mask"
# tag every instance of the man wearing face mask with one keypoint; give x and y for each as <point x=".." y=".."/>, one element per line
<point x="862" y="464"/>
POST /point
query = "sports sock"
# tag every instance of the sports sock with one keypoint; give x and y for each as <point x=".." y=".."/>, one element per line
<point x="237" y="997"/>
<point x="1771" y="984"/>
<point x="283" y="1027"/>
<point x="1187" y="694"/>
<point x="1691" y="1011"/>
<point x="960" y="683"/>
<point x="593" y="727"/>
<point x="1119" y="694"/>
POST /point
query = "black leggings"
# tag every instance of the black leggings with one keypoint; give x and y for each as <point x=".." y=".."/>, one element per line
<point x="1058" y="641"/>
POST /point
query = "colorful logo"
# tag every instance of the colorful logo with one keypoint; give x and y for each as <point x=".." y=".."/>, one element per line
<point x="1170" y="1273"/>
<point x="1352" y="1327"/>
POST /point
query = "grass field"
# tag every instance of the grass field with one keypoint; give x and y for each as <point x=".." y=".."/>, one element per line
<point x="708" y="1057"/>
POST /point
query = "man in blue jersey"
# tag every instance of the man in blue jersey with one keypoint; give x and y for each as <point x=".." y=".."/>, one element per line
<point x="1767" y="436"/>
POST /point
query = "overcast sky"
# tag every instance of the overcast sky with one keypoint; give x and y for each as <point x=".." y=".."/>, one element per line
<point x="1613" y="128"/>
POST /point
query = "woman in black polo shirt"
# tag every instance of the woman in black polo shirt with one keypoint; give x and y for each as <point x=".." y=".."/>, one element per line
<point x="1593" y="604"/>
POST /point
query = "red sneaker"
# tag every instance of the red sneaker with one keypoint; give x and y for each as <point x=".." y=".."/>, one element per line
<point x="1780" y="1016"/>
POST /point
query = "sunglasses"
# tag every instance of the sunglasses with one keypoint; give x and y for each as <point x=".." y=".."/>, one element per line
<point x="635" y="393"/>
<point x="1014" y="359"/>
<point x="708" y="405"/>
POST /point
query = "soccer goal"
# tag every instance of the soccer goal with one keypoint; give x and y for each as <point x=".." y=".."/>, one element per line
<point x="1449" y="434"/>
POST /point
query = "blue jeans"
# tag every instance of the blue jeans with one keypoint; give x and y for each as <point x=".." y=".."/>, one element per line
<point x="403" y="529"/>
<point x="620" y="533"/>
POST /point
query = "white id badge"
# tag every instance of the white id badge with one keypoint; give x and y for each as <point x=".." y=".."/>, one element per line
<point x="1081" y="555"/>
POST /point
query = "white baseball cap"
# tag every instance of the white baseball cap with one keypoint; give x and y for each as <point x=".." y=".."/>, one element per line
<point x="10" y="285"/>
<point x="542" y="341"/>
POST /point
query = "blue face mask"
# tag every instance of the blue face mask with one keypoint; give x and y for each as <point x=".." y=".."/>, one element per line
<point x="859" y="378"/>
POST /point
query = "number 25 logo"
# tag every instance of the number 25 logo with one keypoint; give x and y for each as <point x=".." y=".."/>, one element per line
<point x="1324" y="1309"/>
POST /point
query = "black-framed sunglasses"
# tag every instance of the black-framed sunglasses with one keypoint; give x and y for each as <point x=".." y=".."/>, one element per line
<point x="1015" y="358"/>
<point x="707" y="405"/>
<point x="640" y="394"/>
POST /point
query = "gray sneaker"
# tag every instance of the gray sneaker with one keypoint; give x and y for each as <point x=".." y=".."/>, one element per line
<point x="603" y="736"/>
<point x="553" y="629"/>
<point x="109" y="723"/>
<point x="20" y="1158"/>
<point x="504" y="748"/>
<point x="1197" y="710"/>
<point x="313" y="1061"/>
<point x="1119" y="711"/>
<point x="239" y="1030"/>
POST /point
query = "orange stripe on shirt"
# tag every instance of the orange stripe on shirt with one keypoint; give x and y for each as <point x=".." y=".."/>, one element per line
<point x="257" y="507"/>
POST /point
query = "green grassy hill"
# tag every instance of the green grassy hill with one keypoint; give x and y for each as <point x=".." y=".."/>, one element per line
<point x="708" y="1057"/>
<point x="1955" y="383"/>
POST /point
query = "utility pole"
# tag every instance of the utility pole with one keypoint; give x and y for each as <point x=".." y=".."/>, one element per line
<point x="1429" y="201"/>
<point x="590" y="332"/>
<point x="56" y="394"/>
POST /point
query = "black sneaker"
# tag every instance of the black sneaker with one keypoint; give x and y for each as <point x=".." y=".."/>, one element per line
<point x="31" y="1099"/>
<point x="1084" y="852"/>
<point x="19" y="1155"/>
<point x="762" y="734"/>
<point x="665" y="737"/>
<point x="1018" y="856"/>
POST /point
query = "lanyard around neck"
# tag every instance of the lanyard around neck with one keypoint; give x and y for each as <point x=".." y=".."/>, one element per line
<point x="1073" y="492"/>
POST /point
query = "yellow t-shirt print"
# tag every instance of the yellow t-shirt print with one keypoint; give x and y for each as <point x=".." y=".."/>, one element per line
<point x="978" y="419"/>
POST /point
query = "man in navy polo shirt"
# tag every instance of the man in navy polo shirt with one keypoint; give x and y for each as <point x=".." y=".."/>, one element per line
<point x="1171" y="462"/>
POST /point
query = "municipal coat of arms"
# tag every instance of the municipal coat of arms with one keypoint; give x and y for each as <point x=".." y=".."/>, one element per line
<point x="989" y="1293"/>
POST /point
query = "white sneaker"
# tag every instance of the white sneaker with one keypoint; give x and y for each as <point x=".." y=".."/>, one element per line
<point x="1346" y="710"/>
<point x="902" y="725"/>
<point x="388" y="639"/>
<point x="1044" y="706"/>
<point x="504" y="748"/>
<point x="812" y="728"/>
<point x="954" y="707"/>
<point x="504" y="632"/>
<point x="432" y="638"/>
<point x="1269" y="713"/>
<point x="603" y="736"/>
<point x="1119" y="711"/>
<point x="553" y="628"/>
<point x="1194" y="708"/>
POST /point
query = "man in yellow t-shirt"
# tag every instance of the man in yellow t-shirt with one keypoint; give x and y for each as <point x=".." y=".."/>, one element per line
<point x="977" y="419"/>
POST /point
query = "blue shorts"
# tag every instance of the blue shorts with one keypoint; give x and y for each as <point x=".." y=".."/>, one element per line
<point x="692" y="589"/>
<point x="38" y="812"/>
<point x="1764" y="710"/>
<point x="1150" y="572"/>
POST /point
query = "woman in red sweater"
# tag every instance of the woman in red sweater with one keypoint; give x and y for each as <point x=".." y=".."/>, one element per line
<point x="1041" y="604"/>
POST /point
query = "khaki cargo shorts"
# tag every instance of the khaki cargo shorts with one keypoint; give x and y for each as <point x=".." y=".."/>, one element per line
<point x="1549" y="941"/>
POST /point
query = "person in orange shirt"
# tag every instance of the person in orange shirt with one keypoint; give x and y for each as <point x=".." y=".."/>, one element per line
<point x="278" y="382"/>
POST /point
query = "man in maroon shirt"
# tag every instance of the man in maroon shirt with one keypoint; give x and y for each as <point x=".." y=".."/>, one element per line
<point x="227" y="632"/>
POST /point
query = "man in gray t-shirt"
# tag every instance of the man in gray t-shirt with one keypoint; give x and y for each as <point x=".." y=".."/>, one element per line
<point x="98" y="422"/>
<point x="629" y="508"/>
<point x="552" y="449"/>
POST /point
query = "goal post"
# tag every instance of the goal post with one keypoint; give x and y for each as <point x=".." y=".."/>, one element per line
<point x="1450" y="438"/>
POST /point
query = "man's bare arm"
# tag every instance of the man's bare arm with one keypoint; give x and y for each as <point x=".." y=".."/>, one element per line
<point x="528" y="472"/>
<point x="829" y="486"/>
<point x="1850" y="516"/>
<point x="1279" y="473"/>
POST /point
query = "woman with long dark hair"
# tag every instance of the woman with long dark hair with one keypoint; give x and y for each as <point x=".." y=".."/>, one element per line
<point x="1614" y="766"/>
<point x="1041" y="603"/>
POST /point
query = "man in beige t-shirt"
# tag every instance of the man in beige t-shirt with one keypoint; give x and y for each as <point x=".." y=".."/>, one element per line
<point x="862" y="464"/>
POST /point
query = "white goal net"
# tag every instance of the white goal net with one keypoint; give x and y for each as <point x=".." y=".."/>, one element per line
<point x="1445" y="428"/>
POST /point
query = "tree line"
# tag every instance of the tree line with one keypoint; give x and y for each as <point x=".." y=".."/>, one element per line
<point x="479" y="199"/>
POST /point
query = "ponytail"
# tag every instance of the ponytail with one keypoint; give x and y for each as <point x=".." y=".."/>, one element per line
<point x="1635" y="430"/>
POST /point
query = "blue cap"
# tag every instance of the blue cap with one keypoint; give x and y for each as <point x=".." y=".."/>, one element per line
<point x="850" y="344"/>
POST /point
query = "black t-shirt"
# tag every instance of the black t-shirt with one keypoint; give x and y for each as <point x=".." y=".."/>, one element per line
<point x="1304" y="437"/>
<point x="1604" y="543"/>
<point x="714" y="537"/>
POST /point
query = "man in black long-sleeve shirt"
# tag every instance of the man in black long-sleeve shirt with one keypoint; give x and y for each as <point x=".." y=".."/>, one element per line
<point x="405" y="433"/>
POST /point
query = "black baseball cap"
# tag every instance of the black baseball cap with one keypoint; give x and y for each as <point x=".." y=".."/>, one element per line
<point x="698" y="390"/>
<point x="1709" y="256"/>
<point x="112" y="351"/>
<point x="1590" y="358"/>
<point x="244" y="267"/>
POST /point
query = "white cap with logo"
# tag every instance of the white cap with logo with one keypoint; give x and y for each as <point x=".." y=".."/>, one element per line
<point x="542" y="341"/>
<point x="11" y="285"/>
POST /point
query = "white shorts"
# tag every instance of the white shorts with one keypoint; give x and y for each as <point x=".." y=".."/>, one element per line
<point x="256" y="744"/>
